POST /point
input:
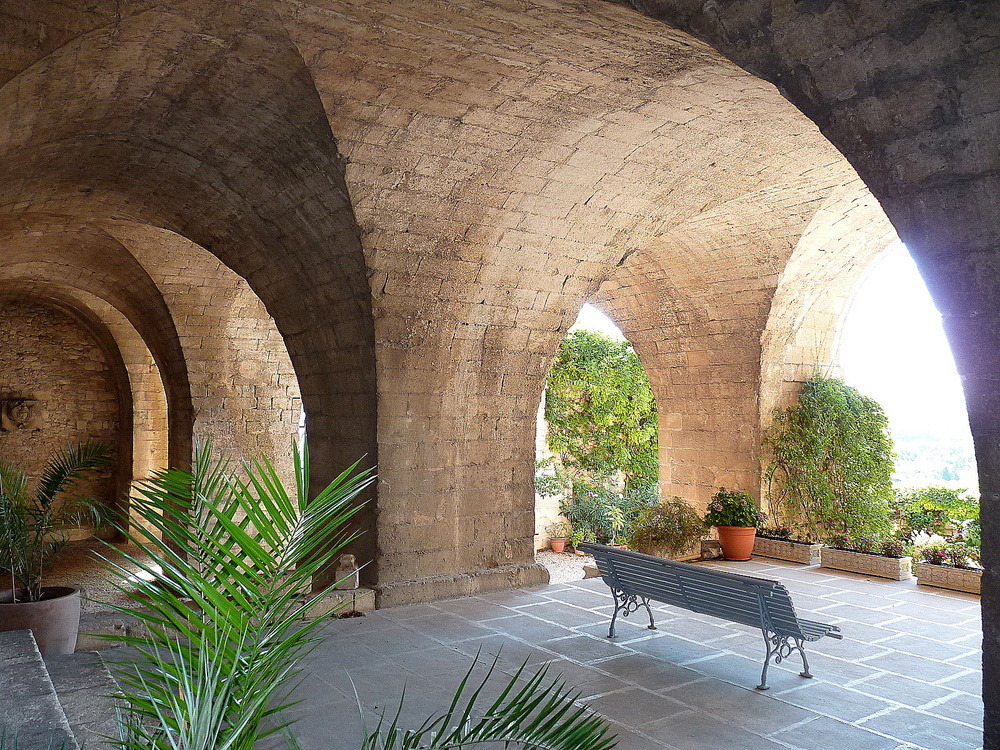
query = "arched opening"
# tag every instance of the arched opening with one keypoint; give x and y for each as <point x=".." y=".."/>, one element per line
<point x="596" y="455"/>
<point x="892" y="346"/>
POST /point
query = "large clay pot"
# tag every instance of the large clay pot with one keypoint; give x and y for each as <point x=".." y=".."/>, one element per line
<point x="736" y="541"/>
<point x="55" y="620"/>
<point x="557" y="544"/>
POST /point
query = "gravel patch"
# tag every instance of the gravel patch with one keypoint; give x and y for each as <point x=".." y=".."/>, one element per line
<point x="565" y="566"/>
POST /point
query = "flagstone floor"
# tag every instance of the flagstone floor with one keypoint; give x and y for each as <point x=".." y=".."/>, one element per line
<point x="906" y="675"/>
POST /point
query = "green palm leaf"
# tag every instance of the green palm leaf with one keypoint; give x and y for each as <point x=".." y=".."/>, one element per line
<point x="538" y="714"/>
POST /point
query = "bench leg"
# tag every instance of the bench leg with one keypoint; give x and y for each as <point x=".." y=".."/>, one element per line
<point x="619" y="605"/>
<point x="767" y="661"/>
<point x="645" y="603"/>
<point x="805" y="664"/>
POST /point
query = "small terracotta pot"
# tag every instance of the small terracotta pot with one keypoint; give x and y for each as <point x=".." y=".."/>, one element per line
<point x="558" y="545"/>
<point x="737" y="541"/>
<point x="55" y="620"/>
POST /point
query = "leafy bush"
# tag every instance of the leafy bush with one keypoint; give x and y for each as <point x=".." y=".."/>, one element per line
<point x="974" y="534"/>
<point x="893" y="548"/>
<point x="935" y="554"/>
<point x="729" y="508"/>
<point x="668" y="529"/>
<point x="831" y="462"/>
<point x="601" y="412"/>
<point x="928" y="510"/>
<point x="603" y="515"/>
<point x="956" y="554"/>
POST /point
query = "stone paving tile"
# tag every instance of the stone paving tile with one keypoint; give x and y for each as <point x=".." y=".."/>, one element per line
<point x="582" y="647"/>
<point x="445" y="628"/>
<point x="705" y="731"/>
<point x="833" y="700"/>
<point x="904" y="690"/>
<point x="920" y="646"/>
<point x="635" y="707"/>
<point x="816" y="733"/>
<point x="529" y="628"/>
<point x="567" y="614"/>
<point x="925" y="730"/>
<point x="905" y="649"/>
<point x="914" y="666"/>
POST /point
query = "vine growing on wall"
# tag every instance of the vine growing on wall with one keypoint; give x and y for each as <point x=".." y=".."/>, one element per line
<point x="831" y="462"/>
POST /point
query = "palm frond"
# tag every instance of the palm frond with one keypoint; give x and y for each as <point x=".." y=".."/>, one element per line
<point x="232" y="555"/>
<point x="537" y="714"/>
<point x="67" y="466"/>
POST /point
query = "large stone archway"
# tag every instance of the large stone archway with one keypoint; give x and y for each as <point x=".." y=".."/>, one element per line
<point x="422" y="197"/>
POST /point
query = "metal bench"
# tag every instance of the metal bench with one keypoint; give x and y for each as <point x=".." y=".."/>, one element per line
<point x="636" y="579"/>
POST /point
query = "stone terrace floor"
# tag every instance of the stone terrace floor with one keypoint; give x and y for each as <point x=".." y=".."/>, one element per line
<point x="907" y="674"/>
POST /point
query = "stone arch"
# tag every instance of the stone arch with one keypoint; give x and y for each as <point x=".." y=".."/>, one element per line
<point x="62" y="356"/>
<point x="258" y="179"/>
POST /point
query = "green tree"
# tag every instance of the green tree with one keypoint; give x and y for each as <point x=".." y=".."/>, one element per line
<point x="831" y="462"/>
<point x="601" y="411"/>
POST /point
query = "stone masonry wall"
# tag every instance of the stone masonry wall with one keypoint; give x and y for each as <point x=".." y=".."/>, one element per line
<point x="49" y="356"/>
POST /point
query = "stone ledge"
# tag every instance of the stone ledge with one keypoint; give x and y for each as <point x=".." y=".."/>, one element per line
<point x="463" y="584"/>
<point x="896" y="568"/>
<point x="779" y="549"/>
<point x="955" y="579"/>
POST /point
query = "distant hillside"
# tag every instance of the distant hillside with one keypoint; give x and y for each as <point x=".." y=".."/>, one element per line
<point x="935" y="459"/>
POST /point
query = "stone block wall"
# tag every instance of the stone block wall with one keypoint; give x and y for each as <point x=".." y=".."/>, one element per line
<point x="52" y="357"/>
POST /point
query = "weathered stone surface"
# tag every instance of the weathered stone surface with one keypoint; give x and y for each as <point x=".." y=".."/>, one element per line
<point x="808" y="554"/>
<point x="421" y="196"/>
<point x="896" y="568"/>
<point x="29" y="708"/>
<point x="945" y="577"/>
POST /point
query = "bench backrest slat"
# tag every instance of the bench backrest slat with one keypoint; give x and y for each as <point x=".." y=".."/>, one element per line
<point x="729" y="596"/>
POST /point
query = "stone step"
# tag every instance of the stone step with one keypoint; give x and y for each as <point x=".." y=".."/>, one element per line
<point x="87" y="691"/>
<point x="29" y="708"/>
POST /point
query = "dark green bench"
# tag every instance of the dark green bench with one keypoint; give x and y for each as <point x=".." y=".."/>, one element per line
<point x="636" y="579"/>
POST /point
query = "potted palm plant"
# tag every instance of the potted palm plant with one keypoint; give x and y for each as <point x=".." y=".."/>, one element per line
<point x="736" y="517"/>
<point x="32" y="532"/>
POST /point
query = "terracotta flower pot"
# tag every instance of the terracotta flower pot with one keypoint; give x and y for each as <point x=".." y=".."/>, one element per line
<point x="558" y="544"/>
<point x="55" y="620"/>
<point x="737" y="541"/>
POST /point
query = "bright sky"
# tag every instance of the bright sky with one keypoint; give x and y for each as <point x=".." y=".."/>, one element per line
<point x="893" y="349"/>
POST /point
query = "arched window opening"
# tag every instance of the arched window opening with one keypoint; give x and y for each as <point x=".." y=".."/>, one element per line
<point x="597" y="455"/>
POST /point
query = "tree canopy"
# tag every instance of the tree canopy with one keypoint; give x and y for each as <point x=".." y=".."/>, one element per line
<point x="600" y="410"/>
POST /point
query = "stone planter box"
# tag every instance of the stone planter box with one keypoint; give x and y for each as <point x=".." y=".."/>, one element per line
<point x="780" y="549"/>
<point x="896" y="568"/>
<point x="946" y="577"/>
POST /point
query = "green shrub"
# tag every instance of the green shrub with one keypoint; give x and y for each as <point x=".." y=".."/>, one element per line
<point x="603" y="515"/>
<point x="928" y="510"/>
<point x="667" y="529"/>
<point x="831" y="462"/>
<point x="729" y="508"/>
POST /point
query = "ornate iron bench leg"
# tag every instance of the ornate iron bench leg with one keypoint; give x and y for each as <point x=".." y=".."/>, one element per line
<point x="805" y="664"/>
<point x="767" y="660"/>
<point x="619" y="605"/>
<point x="651" y="626"/>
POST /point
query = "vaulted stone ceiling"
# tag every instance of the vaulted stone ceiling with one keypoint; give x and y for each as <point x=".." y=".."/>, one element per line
<point x="421" y="196"/>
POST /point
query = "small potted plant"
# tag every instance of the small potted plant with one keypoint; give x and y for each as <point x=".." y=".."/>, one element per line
<point x="32" y="532"/>
<point x="668" y="529"/>
<point x="559" y="532"/>
<point x="735" y="516"/>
